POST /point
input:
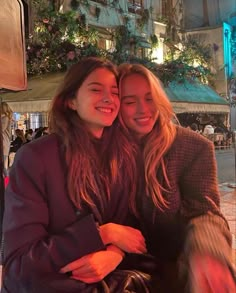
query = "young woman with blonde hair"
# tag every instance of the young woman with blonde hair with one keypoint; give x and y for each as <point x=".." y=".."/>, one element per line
<point x="178" y="197"/>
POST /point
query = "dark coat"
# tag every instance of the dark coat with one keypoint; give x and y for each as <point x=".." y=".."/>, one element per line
<point x="16" y="144"/>
<point x="42" y="229"/>
<point x="192" y="221"/>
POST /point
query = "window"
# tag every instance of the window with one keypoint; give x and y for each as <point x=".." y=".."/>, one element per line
<point x="135" y="5"/>
<point x="37" y="120"/>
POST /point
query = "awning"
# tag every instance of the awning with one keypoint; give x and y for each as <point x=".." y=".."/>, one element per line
<point x="30" y="106"/>
<point x="37" y="97"/>
<point x="195" y="97"/>
<point x="185" y="98"/>
<point x="181" y="107"/>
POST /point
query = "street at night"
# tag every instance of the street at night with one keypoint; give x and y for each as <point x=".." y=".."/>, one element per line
<point x="110" y="114"/>
<point x="226" y="165"/>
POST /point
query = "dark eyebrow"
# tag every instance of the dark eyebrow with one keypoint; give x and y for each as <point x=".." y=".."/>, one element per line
<point x="95" y="83"/>
<point x="100" y="84"/>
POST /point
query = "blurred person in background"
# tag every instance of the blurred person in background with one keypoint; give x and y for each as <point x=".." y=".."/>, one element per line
<point x="18" y="141"/>
<point x="29" y="135"/>
<point x="16" y="144"/>
<point x="194" y="127"/>
<point x="208" y="129"/>
<point x="6" y="119"/>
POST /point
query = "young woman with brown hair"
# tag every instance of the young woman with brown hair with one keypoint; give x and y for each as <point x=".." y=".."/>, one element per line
<point x="178" y="198"/>
<point x="69" y="191"/>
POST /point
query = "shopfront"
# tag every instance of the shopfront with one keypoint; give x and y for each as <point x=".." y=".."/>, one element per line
<point x="198" y="103"/>
<point x="31" y="106"/>
<point x="192" y="102"/>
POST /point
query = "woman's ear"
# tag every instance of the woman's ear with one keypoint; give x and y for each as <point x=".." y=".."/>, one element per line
<point x="72" y="104"/>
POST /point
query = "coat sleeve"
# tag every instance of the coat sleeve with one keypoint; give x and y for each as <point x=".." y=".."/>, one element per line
<point x="28" y="244"/>
<point x="208" y="230"/>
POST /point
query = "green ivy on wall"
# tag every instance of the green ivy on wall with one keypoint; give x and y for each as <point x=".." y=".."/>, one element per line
<point x="143" y="18"/>
<point x="59" y="39"/>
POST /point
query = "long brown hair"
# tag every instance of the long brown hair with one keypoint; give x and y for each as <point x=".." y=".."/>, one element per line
<point x="159" y="140"/>
<point x="89" y="174"/>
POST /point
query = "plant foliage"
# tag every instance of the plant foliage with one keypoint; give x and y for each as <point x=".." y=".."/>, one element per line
<point x="61" y="39"/>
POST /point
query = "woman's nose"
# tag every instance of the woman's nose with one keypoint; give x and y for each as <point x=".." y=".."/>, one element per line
<point x="108" y="98"/>
<point x="142" y="107"/>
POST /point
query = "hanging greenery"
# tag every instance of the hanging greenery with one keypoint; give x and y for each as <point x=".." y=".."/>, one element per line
<point x="179" y="71"/>
<point x="154" y="40"/>
<point x="121" y="37"/>
<point x="59" y="39"/>
<point x="192" y="60"/>
<point x="97" y="12"/>
<point x="143" y="19"/>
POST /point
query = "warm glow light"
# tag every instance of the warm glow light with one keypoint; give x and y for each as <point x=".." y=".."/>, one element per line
<point x="109" y="45"/>
<point x="196" y="63"/>
<point x="157" y="54"/>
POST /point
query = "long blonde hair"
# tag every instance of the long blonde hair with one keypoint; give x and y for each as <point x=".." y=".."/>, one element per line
<point x="159" y="140"/>
<point x="88" y="175"/>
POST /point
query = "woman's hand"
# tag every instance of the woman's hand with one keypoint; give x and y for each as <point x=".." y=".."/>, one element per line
<point x="95" y="266"/>
<point x="126" y="238"/>
<point x="209" y="275"/>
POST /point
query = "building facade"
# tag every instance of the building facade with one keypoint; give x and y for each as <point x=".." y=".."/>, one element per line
<point x="214" y="22"/>
<point x="145" y="26"/>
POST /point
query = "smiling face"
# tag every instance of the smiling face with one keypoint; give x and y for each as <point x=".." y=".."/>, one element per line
<point x="97" y="101"/>
<point x="137" y="110"/>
